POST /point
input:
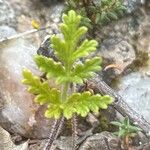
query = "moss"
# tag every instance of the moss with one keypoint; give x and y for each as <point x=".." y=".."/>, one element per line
<point x="104" y="125"/>
<point x="141" y="59"/>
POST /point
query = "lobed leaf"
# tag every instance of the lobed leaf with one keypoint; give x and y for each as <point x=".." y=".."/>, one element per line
<point x="44" y="94"/>
<point x="50" y="67"/>
<point x="60" y="48"/>
<point x="54" y="111"/>
<point x="86" y="70"/>
<point x="83" y="103"/>
<point x="86" y="47"/>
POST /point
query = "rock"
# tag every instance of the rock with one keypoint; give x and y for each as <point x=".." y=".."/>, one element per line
<point x="116" y="51"/>
<point x="134" y="87"/>
<point x="6" y="31"/>
<point x="91" y="118"/>
<point x="6" y="13"/>
<point x="37" y="144"/>
<point x="7" y="144"/>
<point x="18" y="113"/>
<point x="133" y="5"/>
<point x="101" y="141"/>
<point x="63" y="143"/>
<point x="146" y="146"/>
<point x="46" y="13"/>
<point x="135" y="90"/>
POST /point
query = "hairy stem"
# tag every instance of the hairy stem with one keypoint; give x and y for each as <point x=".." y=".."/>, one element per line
<point x="74" y="123"/>
<point x="74" y="131"/>
<point x="56" y="129"/>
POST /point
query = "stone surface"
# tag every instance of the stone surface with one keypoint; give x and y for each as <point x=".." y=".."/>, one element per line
<point x="132" y="5"/>
<point x="118" y="51"/>
<point x="6" y="12"/>
<point x="101" y="141"/>
<point x="135" y="89"/>
<point x="7" y="144"/>
<point x="122" y="41"/>
<point x="18" y="112"/>
<point x="6" y="31"/>
<point x="135" y="86"/>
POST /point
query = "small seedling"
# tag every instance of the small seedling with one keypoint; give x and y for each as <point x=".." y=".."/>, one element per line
<point x="67" y="71"/>
<point x="126" y="131"/>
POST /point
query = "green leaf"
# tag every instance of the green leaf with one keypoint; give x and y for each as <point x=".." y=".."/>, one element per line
<point x="122" y="133"/>
<point x="134" y="128"/>
<point x="113" y="15"/>
<point x="86" y="70"/>
<point x="116" y="123"/>
<point x="54" y="111"/>
<point x="104" y="18"/>
<point x="126" y="121"/>
<point x="70" y="25"/>
<point x="98" y="18"/>
<point x="72" y="34"/>
<point x="50" y="67"/>
<point x="83" y="103"/>
<point x="60" y="48"/>
<point x="85" y="48"/>
<point x="44" y="94"/>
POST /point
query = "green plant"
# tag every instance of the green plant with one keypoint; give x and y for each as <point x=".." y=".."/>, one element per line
<point x="65" y="102"/>
<point x="97" y="12"/>
<point x="126" y="131"/>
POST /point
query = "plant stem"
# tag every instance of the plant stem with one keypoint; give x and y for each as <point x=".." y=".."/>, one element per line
<point x="74" y="131"/>
<point x="126" y="142"/>
<point x="65" y="91"/>
<point x="56" y="129"/>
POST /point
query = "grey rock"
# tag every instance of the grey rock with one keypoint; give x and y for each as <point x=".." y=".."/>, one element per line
<point x="101" y="141"/>
<point x="119" y="51"/>
<point x="6" y="12"/>
<point x="135" y="89"/>
<point x="7" y="144"/>
<point x="6" y="31"/>
<point x="132" y="5"/>
<point x="18" y="112"/>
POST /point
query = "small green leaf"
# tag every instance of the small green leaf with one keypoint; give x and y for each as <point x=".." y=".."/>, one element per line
<point x="83" y="103"/>
<point x="86" y="70"/>
<point x="85" y="48"/>
<point x="122" y="133"/>
<point x="125" y="128"/>
<point x="116" y="123"/>
<point x="134" y="128"/>
<point x="53" y="111"/>
<point x="98" y="18"/>
<point x="113" y="15"/>
<point x="44" y="94"/>
<point x="49" y="66"/>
